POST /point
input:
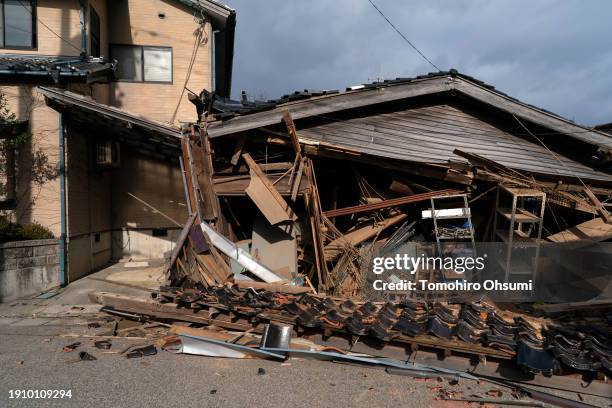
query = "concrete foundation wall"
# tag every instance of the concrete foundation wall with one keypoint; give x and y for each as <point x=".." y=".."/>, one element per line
<point x="28" y="268"/>
<point x="141" y="244"/>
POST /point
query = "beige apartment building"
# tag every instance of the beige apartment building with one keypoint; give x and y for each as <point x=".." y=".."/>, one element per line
<point x="78" y="174"/>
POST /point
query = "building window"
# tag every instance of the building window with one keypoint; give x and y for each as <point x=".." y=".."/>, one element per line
<point x="143" y="64"/>
<point x="18" y="24"/>
<point x="94" y="24"/>
<point x="7" y="172"/>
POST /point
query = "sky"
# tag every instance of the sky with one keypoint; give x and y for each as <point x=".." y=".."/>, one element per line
<point x="554" y="54"/>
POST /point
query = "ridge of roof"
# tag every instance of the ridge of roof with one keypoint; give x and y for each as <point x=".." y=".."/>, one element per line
<point x="233" y="116"/>
<point x="307" y="94"/>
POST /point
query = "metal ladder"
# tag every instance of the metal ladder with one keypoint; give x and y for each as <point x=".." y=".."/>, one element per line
<point x="465" y="214"/>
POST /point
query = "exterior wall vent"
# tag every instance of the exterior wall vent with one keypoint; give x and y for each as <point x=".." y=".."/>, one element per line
<point x="107" y="153"/>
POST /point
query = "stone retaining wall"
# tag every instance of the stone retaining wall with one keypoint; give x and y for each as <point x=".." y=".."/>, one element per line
<point x="28" y="268"/>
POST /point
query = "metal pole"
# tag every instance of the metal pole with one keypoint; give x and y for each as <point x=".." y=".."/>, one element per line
<point x="62" y="177"/>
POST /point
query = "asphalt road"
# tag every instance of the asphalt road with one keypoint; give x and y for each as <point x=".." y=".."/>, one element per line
<point x="31" y="357"/>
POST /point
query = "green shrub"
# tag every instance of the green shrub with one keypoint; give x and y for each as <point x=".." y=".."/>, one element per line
<point x="36" y="231"/>
<point x="9" y="231"/>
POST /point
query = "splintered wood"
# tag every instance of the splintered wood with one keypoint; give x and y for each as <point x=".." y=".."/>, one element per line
<point x="265" y="196"/>
<point x="271" y="224"/>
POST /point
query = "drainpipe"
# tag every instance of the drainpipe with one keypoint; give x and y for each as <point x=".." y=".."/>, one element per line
<point x="213" y="59"/>
<point x="82" y="15"/>
<point x="62" y="176"/>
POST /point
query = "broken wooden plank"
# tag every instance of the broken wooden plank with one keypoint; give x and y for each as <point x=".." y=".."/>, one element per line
<point x="238" y="149"/>
<point x="295" y="141"/>
<point x="601" y="210"/>
<point x="298" y="179"/>
<point x="393" y="202"/>
<point x="273" y="287"/>
<point x="315" y="218"/>
<point x="179" y="244"/>
<point x="591" y="304"/>
<point x="265" y="167"/>
<point x="188" y="175"/>
<point x="594" y="230"/>
<point x="499" y="173"/>
<point x="356" y="237"/>
<point x="202" y="162"/>
<point x="269" y="201"/>
<point x="165" y="311"/>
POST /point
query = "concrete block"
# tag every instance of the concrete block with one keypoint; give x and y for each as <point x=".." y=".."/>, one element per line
<point x="30" y="243"/>
<point x="32" y="261"/>
<point x="52" y="259"/>
<point x="45" y="250"/>
<point x="10" y="263"/>
<point x="18" y="252"/>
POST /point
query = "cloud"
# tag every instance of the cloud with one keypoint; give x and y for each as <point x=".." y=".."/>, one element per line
<point x="556" y="54"/>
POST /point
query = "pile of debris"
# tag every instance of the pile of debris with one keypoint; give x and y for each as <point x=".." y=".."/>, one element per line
<point x="281" y="226"/>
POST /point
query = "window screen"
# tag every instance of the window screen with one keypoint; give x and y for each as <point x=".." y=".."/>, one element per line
<point x="157" y="64"/>
<point x="17" y="23"/>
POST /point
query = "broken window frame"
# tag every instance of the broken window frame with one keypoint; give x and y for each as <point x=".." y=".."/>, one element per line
<point x="143" y="62"/>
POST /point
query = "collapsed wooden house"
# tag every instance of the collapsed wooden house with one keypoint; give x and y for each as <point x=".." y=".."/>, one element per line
<point x="285" y="198"/>
<point x="304" y="182"/>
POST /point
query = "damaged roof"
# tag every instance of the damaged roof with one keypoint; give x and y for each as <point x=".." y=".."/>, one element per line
<point x="604" y="127"/>
<point x="430" y="134"/>
<point x="307" y="104"/>
<point x="149" y="136"/>
<point x="61" y="99"/>
<point x="55" y="68"/>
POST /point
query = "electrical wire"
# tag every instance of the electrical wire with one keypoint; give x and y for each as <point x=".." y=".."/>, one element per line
<point x="550" y="151"/>
<point x="200" y="39"/>
<point x="403" y="36"/>
<point x="49" y="28"/>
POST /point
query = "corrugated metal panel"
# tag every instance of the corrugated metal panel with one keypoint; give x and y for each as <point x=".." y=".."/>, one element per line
<point x="430" y="134"/>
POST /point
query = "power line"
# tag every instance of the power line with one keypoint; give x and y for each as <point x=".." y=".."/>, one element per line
<point x="550" y="151"/>
<point x="403" y="36"/>
<point x="49" y="28"/>
<point x="201" y="38"/>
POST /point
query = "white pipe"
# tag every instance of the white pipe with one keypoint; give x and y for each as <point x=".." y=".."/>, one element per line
<point x="239" y="255"/>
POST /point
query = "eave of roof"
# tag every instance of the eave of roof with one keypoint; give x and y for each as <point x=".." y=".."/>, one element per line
<point x="604" y="127"/>
<point x="56" y="68"/>
<point x="306" y="104"/>
<point x="212" y="7"/>
<point x="66" y="99"/>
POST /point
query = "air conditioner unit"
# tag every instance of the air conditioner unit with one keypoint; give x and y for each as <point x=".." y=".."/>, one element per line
<point x="107" y="153"/>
